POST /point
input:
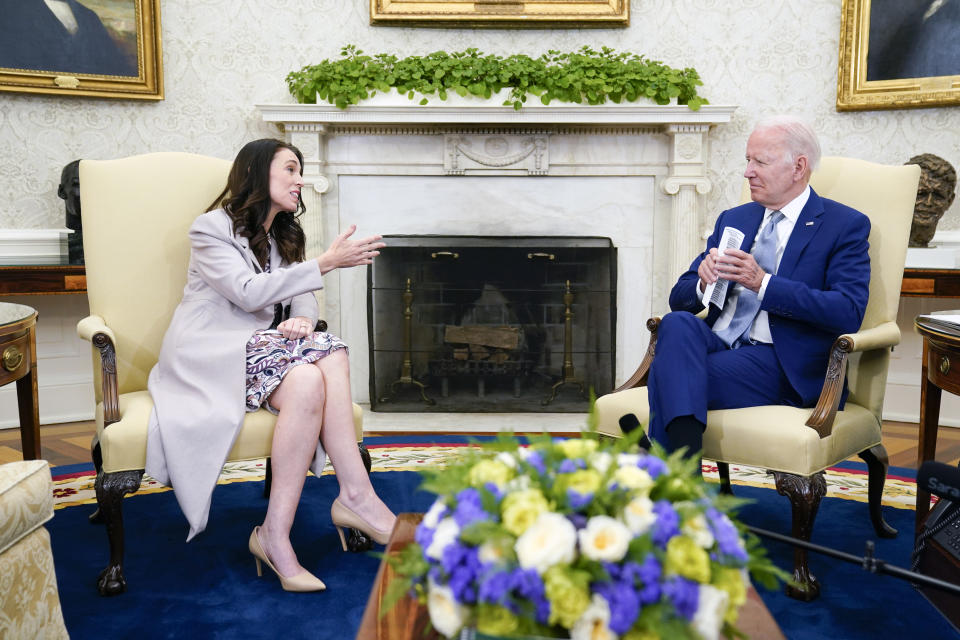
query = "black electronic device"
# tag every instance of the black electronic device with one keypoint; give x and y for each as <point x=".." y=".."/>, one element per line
<point x="937" y="548"/>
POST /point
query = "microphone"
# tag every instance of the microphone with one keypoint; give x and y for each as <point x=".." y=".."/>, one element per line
<point x="937" y="478"/>
<point x="630" y="421"/>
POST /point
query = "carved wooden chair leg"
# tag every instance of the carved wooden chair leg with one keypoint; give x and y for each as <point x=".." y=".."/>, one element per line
<point x="365" y="456"/>
<point x="267" y="480"/>
<point x="111" y="488"/>
<point x="96" y="517"/>
<point x="723" y="469"/>
<point x="877" y="464"/>
<point x="805" y="493"/>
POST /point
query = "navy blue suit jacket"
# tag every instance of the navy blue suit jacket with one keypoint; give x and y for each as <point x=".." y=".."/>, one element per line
<point x="820" y="289"/>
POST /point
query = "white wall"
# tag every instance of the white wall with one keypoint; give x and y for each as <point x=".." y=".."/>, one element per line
<point x="223" y="56"/>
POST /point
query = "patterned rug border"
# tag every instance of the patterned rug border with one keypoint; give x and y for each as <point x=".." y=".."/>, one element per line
<point x="76" y="488"/>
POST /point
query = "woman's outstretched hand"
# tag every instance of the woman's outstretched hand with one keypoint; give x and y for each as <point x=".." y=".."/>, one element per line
<point x="345" y="252"/>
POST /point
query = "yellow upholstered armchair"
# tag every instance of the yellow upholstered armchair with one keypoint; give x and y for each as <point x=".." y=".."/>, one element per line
<point x="797" y="445"/>
<point x="136" y="214"/>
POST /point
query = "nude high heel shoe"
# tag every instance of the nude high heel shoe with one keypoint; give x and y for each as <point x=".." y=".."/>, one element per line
<point x="344" y="516"/>
<point x="302" y="582"/>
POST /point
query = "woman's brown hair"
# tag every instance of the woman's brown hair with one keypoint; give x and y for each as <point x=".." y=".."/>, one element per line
<point x="246" y="199"/>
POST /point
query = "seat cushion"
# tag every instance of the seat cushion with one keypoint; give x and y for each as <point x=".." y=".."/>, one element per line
<point x="772" y="437"/>
<point x="29" y="600"/>
<point x="26" y="499"/>
<point x="123" y="444"/>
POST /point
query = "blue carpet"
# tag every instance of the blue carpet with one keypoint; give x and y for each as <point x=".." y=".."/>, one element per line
<point x="209" y="589"/>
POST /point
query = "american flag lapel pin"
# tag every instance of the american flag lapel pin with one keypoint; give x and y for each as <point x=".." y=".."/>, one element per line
<point x="810" y="224"/>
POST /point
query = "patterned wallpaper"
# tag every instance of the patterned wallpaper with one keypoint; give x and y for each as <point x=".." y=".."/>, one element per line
<point x="221" y="57"/>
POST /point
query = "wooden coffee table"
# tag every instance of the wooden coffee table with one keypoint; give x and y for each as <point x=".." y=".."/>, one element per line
<point x="407" y="620"/>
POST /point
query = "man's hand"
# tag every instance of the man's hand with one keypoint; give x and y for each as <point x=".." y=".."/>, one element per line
<point x="708" y="270"/>
<point x="738" y="266"/>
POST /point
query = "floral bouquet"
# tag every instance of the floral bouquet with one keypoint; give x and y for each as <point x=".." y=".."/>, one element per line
<point x="578" y="539"/>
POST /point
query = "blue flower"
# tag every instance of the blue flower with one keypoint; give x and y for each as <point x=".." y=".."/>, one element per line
<point x="667" y="523"/>
<point x="644" y="577"/>
<point x="570" y="465"/>
<point x="653" y="465"/>
<point x="684" y="595"/>
<point x="578" y="500"/>
<point x="578" y="519"/>
<point x="494" y="587"/>
<point x="535" y="460"/>
<point x="495" y="490"/>
<point x="462" y="565"/>
<point x="469" y="508"/>
<point x="623" y="601"/>
<point x="727" y="536"/>
<point x="529" y="586"/>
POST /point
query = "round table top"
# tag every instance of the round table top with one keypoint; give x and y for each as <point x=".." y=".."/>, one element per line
<point x="11" y="313"/>
<point x="943" y="324"/>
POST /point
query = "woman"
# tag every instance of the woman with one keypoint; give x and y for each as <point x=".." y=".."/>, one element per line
<point x="228" y="350"/>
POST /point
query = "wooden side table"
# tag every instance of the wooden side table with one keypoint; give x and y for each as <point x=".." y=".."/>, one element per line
<point x="940" y="371"/>
<point x="18" y="361"/>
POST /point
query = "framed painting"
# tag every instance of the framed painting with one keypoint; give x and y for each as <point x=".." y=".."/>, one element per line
<point x="896" y="54"/>
<point x="501" y="13"/>
<point x="93" y="48"/>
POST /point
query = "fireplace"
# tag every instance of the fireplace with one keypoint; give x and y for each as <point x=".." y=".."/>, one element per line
<point x="491" y="324"/>
<point x="631" y="174"/>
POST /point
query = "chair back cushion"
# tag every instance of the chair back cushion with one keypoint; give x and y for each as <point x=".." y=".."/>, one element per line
<point x="136" y="212"/>
<point x="886" y="194"/>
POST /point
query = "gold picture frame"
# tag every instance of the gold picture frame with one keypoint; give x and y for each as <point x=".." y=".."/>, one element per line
<point x="880" y="76"/>
<point x="500" y="13"/>
<point x="119" y="55"/>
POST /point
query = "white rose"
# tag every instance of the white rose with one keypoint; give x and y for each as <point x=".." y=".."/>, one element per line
<point x="519" y="483"/>
<point x="446" y="614"/>
<point x="432" y="517"/>
<point x="550" y="540"/>
<point x="639" y="515"/>
<point x="601" y="461"/>
<point x="506" y="459"/>
<point x="594" y="623"/>
<point x="712" y="605"/>
<point x="489" y="553"/>
<point x="446" y="532"/>
<point x="698" y="529"/>
<point x="628" y="459"/>
<point x="604" y="539"/>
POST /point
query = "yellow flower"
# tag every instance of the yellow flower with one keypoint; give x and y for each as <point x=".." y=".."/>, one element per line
<point x="686" y="559"/>
<point x="633" y="478"/>
<point x="583" y="481"/>
<point x="731" y="580"/>
<point x="520" y="509"/>
<point x="490" y="471"/>
<point x="495" y="620"/>
<point x="577" y="447"/>
<point x="568" y="593"/>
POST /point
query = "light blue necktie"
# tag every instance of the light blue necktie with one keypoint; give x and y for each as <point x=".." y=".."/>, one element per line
<point x="748" y="304"/>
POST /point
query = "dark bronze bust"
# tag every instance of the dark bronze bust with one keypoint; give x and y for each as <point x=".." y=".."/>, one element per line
<point x="938" y="184"/>
<point x="69" y="191"/>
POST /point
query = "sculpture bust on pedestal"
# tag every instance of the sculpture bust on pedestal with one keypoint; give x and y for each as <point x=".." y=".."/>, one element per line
<point x="938" y="183"/>
<point x="69" y="192"/>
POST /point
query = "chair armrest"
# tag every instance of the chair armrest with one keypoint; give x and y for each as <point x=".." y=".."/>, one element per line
<point x="882" y="336"/>
<point x="95" y="330"/>
<point x="639" y="377"/>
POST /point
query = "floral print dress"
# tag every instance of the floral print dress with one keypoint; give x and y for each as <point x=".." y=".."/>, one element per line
<point x="270" y="357"/>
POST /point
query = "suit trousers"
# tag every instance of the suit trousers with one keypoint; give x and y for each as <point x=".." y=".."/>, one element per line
<point x="694" y="371"/>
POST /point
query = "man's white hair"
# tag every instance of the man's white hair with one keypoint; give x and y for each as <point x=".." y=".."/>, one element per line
<point x="799" y="136"/>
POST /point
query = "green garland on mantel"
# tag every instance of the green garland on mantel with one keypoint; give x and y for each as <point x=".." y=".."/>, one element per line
<point x="582" y="76"/>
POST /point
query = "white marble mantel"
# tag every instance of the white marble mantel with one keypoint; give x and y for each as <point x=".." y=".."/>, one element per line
<point x="633" y="172"/>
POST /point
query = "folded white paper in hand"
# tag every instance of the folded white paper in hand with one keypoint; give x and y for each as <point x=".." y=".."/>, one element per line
<point x="716" y="293"/>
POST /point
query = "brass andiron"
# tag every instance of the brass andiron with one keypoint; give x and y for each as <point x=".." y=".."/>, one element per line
<point x="569" y="376"/>
<point x="406" y="368"/>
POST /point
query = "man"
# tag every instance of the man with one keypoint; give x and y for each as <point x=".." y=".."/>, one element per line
<point x="800" y="279"/>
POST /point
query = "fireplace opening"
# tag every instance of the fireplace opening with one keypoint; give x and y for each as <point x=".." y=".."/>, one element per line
<point x="491" y="324"/>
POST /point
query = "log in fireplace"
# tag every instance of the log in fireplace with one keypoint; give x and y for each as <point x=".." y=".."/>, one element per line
<point x="496" y="324"/>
